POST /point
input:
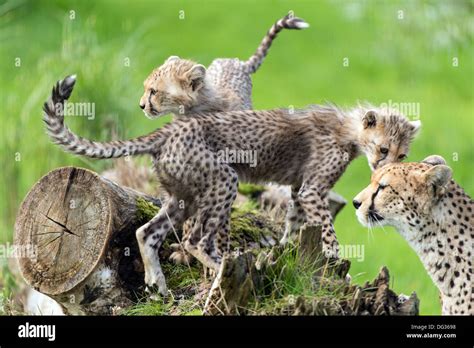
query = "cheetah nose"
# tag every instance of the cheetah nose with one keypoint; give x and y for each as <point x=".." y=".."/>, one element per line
<point x="142" y="106"/>
<point x="356" y="204"/>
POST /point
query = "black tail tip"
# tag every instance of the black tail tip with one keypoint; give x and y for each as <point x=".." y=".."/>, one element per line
<point x="66" y="86"/>
<point x="70" y="80"/>
<point x="294" y="22"/>
<point x="298" y="23"/>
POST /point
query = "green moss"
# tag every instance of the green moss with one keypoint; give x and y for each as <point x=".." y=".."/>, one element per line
<point x="172" y="307"/>
<point x="249" y="226"/>
<point x="145" y="210"/>
<point x="148" y="308"/>
<point x="183" y="281"/>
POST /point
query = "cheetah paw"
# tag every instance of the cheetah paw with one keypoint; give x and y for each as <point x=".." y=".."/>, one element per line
<point x="156" y="283"/>
<point x="180" y="257"/>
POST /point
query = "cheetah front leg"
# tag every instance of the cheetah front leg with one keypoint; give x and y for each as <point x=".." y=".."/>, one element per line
<point x="150" y="237"/>
<point x="315" y="205"/>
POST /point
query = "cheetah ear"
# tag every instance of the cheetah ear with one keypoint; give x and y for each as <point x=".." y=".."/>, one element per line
<point x="195" y="76"/>
<point x="438" y="177"/>
<point x="434" y="160"/>
<point x="415" y="125"/>
<point x="171" y="58"/>
<point x="370" y="119"/>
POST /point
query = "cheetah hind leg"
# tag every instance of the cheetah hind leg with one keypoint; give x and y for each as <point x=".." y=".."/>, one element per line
<point x="198" y="244"/>
<point x="201" y="252"/>
<point x="205" y="243"/>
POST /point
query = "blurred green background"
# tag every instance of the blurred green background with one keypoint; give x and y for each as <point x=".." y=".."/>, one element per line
<point x="404" y="51"/>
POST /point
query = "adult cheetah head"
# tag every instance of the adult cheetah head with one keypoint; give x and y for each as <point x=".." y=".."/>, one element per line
<point x="386" y="136"/>
<point x="172" y="88"/>
<point x="399" y="194"/>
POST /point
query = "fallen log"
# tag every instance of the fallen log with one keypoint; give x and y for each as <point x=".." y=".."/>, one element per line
<point x="82" y="226"/>
<point x="81" y="229"/>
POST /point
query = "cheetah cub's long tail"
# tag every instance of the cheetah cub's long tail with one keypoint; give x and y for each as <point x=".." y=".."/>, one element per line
<point x="70" y="142"/>
<point x="287" y="22"/>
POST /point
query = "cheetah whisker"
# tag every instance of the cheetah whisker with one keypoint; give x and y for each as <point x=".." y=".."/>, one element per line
<point x="380" y="225"/>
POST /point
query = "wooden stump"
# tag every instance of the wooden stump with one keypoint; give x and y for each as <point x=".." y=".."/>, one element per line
<point x="81" y="229"/>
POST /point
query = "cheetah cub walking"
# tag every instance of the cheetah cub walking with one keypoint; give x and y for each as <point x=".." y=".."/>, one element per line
<point x="182" y="87"/>
<point x="308" y="150"/>
<point x="435" y="216"/>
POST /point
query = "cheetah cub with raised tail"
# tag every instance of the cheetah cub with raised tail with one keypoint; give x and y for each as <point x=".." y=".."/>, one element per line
<point x="182" y="87"/>
<point x="434" y="214"/>
<point x="308" y="150"/>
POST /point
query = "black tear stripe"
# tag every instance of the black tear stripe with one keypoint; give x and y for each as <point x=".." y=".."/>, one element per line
<point x="372" y="203"/>
<point x="149" y="99"/>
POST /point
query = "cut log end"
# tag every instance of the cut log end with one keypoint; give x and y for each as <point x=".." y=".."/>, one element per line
<point x="79" y="229"/>
<point x="58" y="223"/>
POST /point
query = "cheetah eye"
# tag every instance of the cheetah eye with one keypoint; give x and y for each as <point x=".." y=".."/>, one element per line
<point x="383" y="150"/>
<point x="402" y="157"/>
<point x="382" y="186"/>
<point x="153" y="91"/>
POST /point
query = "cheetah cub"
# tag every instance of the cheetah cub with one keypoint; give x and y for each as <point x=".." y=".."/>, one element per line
<point x="182" y="87"/>
<point x="435" y="216"/>
<point x="308" y="150"/>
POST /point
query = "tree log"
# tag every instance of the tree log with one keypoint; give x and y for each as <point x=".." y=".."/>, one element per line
<point x="80" y="230"/>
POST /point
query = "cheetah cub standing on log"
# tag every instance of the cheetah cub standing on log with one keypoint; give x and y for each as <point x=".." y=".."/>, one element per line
<point x="435" y="216"/>
<point x="183" y="87"/>
<point x="308" y="150"/>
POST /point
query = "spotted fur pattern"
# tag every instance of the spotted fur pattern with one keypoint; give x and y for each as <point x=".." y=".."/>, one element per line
<point x="308" y="149"/>
<point x="434" y="214"/>
<point x="183" y="87"/>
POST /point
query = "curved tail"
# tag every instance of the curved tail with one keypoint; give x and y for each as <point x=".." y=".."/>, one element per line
<point x="70" y="142"/>
<point x="287" y="22"/>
